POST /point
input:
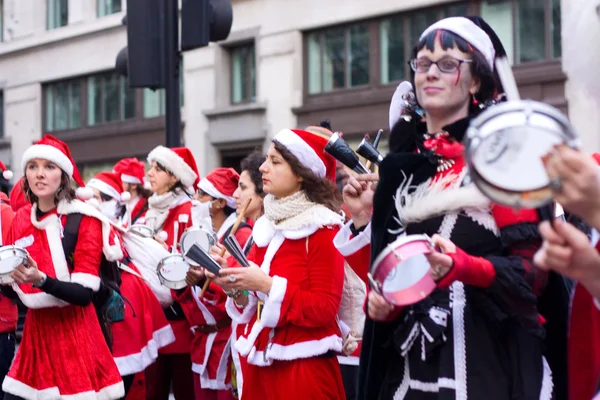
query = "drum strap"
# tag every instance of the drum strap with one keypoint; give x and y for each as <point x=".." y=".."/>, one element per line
<point x="70" y="235"/>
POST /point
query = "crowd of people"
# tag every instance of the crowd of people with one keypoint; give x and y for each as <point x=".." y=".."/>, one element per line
<point x="514" y="313"/>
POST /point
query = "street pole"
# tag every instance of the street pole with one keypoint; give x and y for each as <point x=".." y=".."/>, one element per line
<point x="172" y="64"/>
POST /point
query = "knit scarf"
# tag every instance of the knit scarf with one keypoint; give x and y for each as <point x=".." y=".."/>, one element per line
<point x="297" y="211"/>
<point x="159" y="206"/>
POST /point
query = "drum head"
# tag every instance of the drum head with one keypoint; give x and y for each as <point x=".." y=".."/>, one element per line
<point x="196" y="236"/>
<point x="406" y="274"/>
<point x="10" y="258"/>
<point x="172" y="271"/>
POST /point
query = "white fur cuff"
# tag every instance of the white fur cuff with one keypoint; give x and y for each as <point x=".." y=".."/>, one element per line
<point x="347" y="245"/>
<point x="86" y="280"/>
<point x="272" y="308"/>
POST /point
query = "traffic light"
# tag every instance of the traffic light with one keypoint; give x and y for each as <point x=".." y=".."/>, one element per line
<point x="204" y="21"/>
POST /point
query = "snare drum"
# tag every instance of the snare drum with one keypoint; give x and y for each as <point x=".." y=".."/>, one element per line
<point x="504" y="146"/>
<point x="10" y="258"/>
<point x="200" y="236"/>
<point x="172" y="271"/>
<point x="401" y="271"/>
<point x="141" y="230"/>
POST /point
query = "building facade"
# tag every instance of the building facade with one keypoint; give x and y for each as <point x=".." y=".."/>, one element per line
<point x="286" y="63"/>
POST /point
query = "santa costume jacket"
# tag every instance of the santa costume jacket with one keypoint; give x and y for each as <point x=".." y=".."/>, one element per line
<point x="63" y="353"/>
<point x="479" y="335"/>
<point x="290" y="351"/>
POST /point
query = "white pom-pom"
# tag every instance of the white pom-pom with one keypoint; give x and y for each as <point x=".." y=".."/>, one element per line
<point x="125" y="197"/>
<point x="94" y="203"/>
<point x="162" y="235"/>
<point x="84" y="193"/>
<point x="147" y="185"/>
<point x="8" y="175"/>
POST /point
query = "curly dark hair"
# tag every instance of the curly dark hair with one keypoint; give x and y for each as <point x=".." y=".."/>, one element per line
<point x="65" y="190"/>
<point x="251" y="164"/>
<point x="318" y="190"/>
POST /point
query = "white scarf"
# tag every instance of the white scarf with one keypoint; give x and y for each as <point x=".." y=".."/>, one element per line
<point x="159" y="206"/>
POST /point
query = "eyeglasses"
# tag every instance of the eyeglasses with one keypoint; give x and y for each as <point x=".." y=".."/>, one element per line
<point x="448" y="65"/>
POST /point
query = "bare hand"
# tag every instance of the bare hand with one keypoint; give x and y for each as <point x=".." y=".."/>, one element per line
<point x="441" y="263"/>
<point x="579" y="190"/>
<point x="569" y="252"/>
<point x="358" y="197"/>
<point x="215" y="252"/>
<point x="194" y="276"/>
<point x="27" y="274"/>
<point x="251" y="278"/>
<point x="378" y="308"/>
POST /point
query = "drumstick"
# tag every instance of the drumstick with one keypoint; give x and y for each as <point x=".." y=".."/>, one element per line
<point x="368" y="165"/>
<point x="234" y="229"/>
<point x="507" y="79"/>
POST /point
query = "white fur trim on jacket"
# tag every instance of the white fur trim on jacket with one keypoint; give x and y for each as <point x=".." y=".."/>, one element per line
<point x="466" y="29"/>
<point x="175" y="164"/>
<point x="50" y="153"/>
<point x="272" y="307"/>
<point x="207" y="187"/>
<point x="87" y="280"/>
<point x="347" y="245"/>
<point x="18" y="388"/>
<point x="247" y="313"/>
<point x="305" y="154"/>
<point x="134" y="363"/>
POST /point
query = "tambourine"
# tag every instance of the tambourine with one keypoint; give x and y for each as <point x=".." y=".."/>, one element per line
<point x="141" y="230"/>
<point x="10" y="258"/>
<point x="401" y="272"/>
<point x="172" y="271"/>
<point x="504" y="146"/>
<point x="200" y="236"/>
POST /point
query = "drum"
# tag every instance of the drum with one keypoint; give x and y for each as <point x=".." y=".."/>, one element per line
<point x="10" y="258"/>
<point x="141" y="230"/>
<point x="504" y="146"/>
<point x="401" y="272"/>
<point x="202" y="237"/>
<point x="172" y="271"/>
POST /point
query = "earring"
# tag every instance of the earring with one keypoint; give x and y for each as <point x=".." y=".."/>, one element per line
<point x="474" y="100"/>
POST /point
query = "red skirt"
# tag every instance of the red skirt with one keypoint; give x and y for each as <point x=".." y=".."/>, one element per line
<point x="63" y="353"/>
<point x="144" y="330"/>
<point x="315" y="378"/>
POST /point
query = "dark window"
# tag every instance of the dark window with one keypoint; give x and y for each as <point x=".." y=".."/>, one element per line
<point x="57" y="13"/>
<point x="107" y="7"/>
<point x="63" y="105"/>
<point x="243" y="74"/>
<point x="109" y="98"/>
<point x="155" y="101"/>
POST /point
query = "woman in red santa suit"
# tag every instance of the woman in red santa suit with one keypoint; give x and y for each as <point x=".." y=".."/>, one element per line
<point x="295" y="281"/>
<point x="172" y="172"/>
<point x="131" y="172"/>
<point x="63" y="353"/>
<point x="144" y="329"/>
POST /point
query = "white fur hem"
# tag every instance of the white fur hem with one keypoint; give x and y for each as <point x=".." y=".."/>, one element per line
<point x="13" y="386"/>
<point x="294" y="351"/>
<point x="175" y="164"/>
<point x="272" y="308"/>
<point x="38" y="300"/>
<point x="347" y="245"/>
<point x="134" y="363"/>
<point x="87" y="280"/>
<point x="50" y="153"/>
<point x="247" y="313"/>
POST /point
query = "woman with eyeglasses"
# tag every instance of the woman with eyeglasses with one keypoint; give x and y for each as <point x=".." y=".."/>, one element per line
<point x="479" y="334"/>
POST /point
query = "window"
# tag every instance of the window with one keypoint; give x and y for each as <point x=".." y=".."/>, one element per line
<point x="57" y="13"/>
<point x="338" y="58"/>
<point x="109" y="98"/>
<point x="243" y="74"/>
<point x="107" y="7"/>
<point x="395" y="45"/>
<point x="63" y="105"/>
<point x="155" y="101"/>
<point x="533" y="34"/>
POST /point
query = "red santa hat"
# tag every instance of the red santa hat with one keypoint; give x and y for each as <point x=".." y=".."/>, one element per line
<point x="6" y="173"/>
<point x="309" y="149"/>
<point x="220" y="184"/>
<point x="130" y="170"/>
<point x="179" y="161"/>
<point x="17" y="196"/>
<point x="51" y="149"/>
<point x="110" y="184"/>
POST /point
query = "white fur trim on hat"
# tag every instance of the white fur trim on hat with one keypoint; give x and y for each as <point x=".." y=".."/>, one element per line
<point x="466" y="29"/>
<point x="130" y="179"/>
<point x="50" y="153"/>
<point x="175" y="164"/>
<point x="84" y="193"/>
<point x="303" y="152"/>
<point x="104" y="188"/>
<point x="207" y="187"/>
